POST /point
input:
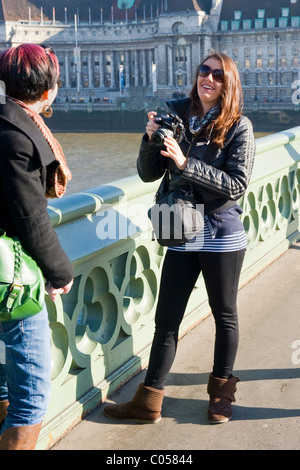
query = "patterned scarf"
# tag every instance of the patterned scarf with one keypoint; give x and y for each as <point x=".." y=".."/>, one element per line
<point x="57" y="181"/>
<point x="196" y="124"/>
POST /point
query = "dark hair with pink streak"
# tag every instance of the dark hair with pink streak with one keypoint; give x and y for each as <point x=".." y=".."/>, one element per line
<point x="28" y="71"/>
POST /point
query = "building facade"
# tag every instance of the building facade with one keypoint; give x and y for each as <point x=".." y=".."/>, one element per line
<point x="137" y="49"/>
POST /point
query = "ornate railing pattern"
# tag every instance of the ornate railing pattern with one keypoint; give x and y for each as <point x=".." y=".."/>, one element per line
<point x="102" y="330"/>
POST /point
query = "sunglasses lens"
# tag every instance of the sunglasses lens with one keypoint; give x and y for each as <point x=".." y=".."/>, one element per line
<point x="218" y="75"/>
<point x="205" y="70"/>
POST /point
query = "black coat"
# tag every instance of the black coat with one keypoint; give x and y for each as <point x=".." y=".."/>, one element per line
<point x="218" y="175"/>
<point x="25" y="159"/>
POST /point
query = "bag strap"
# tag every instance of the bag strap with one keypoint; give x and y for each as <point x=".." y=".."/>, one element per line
<point x="16" y="285"/>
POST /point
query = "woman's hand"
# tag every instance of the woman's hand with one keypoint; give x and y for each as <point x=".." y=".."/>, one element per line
<point x="151" y="126"/>
<point x="52" y="292"/>
<point x="174" y="151"/>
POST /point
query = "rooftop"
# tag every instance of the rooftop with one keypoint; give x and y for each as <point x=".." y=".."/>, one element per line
<point x="14" y="10"/>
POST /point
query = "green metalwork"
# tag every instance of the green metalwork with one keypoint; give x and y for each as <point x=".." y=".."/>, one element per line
<point x="102" y="330"/>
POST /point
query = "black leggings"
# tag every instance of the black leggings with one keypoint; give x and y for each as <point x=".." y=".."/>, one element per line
<point x="221" y="272"/>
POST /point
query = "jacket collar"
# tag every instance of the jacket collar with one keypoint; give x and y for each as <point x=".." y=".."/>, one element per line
<point x="180" y="107"/>
<point x="13" y="113"/>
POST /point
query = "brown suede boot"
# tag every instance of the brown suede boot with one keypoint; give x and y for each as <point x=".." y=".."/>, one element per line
<point x="20" y="437"/>
<point x="221" y="393"/>
<point x="3" y="410"/>
<point x="145" y="407"/>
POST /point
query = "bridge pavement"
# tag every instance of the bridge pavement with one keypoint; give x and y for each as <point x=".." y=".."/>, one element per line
<point x="267" y="409"/>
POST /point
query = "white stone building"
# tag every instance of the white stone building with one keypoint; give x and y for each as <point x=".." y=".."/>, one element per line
<point x="138" y="49"/>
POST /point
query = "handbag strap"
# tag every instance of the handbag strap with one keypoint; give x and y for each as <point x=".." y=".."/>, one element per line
<point x="16" y="285"/>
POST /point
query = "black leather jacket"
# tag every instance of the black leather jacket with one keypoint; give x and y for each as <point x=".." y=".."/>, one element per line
<point x="219" y="176"/>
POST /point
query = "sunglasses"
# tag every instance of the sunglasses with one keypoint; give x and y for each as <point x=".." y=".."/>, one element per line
<point x="205" y="70"/>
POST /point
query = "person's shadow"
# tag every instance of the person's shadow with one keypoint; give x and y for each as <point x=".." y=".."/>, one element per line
<point x="189" y="410"/>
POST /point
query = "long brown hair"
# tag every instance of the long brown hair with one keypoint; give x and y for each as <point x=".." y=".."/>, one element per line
<point x="231" y="101"/>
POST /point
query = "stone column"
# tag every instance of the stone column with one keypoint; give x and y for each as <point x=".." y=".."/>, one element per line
<point x="156" y="61"/>
<point x="150" y="60"/>
<point x="170" y="66"/>
<point x="136" y="68"/>
<point x="90" y="70"/>
<point x="101" y="69"/>
<point x="144" y="68"/>
<point x="67" y="70"/>
<point x="112" y="69"/>
<point x="188" y="65"/>
<point x="127" y="68"/>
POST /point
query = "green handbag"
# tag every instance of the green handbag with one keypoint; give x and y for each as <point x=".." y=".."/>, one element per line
<point x="22" y="285"/>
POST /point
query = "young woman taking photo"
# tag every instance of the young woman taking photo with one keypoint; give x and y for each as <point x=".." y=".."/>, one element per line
<point x="216" y="157"/>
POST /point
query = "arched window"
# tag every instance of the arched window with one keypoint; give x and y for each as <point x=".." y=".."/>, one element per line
<point x="177" y="28"/>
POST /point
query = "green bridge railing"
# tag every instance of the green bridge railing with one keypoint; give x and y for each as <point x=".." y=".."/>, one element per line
<point x="102" y="330"/>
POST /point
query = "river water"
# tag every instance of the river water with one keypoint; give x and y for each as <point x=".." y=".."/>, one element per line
<point x="98" y="158"/>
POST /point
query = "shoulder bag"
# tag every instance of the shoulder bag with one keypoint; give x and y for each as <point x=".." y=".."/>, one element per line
<point x="176" y="217"/>
<point x="22" y="285"/>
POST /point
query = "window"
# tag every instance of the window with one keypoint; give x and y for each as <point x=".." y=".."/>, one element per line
<point x="296" y="49"/>
<point x="259" y="63"/>
<point x="237" y="15"/>
<point x="259" y="23"/>
<point x="180" y="54"/>
<point x="247" y="24"/>
<point x="283" y="62"/>
<point x="260" y="13"/>
<point x="224" y="25"/>
<point x="282" y="50"/>
<point x="295" y="21"/>
<point x="235" y="24"/>
<point x="271" y="78"/>
<point x="296" y="62"/>
<point x="285" y="12"/>
<point x="282" y="95"/>
<point x="177" y="28"/>
<point x="259" y="79"/>
<point x="271" y="22"/>
<point x="247" y="64"/>
<point x="283" y="22"/>
<point x="247" y="79"/>
<point x="271" y="62"/>
<point x="282" y="78"/>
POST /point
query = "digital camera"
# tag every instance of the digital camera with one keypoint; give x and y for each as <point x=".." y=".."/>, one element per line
<point x="171" y="125"/>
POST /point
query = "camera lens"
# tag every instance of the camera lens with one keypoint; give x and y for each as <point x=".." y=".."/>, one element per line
<point x="158" y="138"/>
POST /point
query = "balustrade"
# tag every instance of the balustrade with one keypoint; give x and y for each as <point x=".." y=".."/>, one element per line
<point x="102" y="330"/>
